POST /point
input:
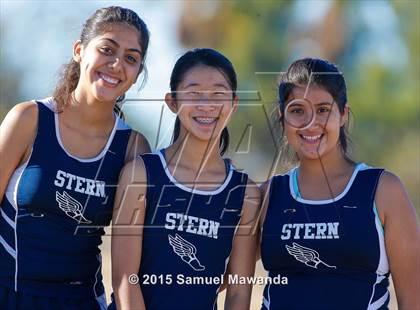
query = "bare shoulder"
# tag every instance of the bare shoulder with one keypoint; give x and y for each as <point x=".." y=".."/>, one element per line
<point x="391" y="196"/>
<point x="18" y="129"/>
<point x="137" y="145"/>
<point x="253" y="191"/>
<point x="26" y="113"/>
<point x="134" y="171"/>
<point x="251" y="204"/>
<point x="390" y="189"/>
<point x="265" y="188"/>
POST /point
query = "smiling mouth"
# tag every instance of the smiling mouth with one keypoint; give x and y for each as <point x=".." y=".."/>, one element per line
<point x="312" y="139"/>
<point x="205" y="120"/>
<point x="109" y="80"/>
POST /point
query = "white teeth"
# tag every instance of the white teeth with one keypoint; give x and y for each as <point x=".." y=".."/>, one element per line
<point x="109" y="79"/>
<point x="311" y="138"/>
<point x="205" y="120"/>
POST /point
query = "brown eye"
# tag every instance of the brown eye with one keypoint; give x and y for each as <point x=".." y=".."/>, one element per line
<point x="105" y="50"/>
<point x="296" y="110"/>
<point x="323" y="110"/>
<point x="131" y="59"/>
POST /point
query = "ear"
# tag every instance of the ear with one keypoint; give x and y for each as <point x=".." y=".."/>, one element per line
<point x="344" y="116"/>
<point x="235" y="103"/>
<point x="77" y="51"/>
<point x="278" y="111"/>
<point x="171" y="103"/>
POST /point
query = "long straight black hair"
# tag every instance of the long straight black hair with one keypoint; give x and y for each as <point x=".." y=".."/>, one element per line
<point x="208" y="57"/>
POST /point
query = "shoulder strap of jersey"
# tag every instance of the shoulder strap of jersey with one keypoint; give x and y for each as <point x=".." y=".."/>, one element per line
<point x="365" y="184"/>
<point x="46" y="139"/>
<point x="120" y="140"/>
<point x="155" y="173"/>
<point x="236" y="188"/>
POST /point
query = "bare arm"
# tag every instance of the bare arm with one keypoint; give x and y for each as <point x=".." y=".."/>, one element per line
<point x="137" y="145"/>
<point x="402" y="239"/>
<point x="17" y="133"/>
<point x="242" y="260"/>
<point x="127" y="230"/>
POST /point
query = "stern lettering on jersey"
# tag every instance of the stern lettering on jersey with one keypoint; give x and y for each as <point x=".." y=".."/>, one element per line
<point x="192" y="224"/>
<point x="310" y="231"/>
<point x="80" y="184"/>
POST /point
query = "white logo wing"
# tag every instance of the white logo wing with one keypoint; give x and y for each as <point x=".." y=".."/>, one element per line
<point x="307" y="256"/>
<point x="71" y="207"/>
<point x="186" y="251"/>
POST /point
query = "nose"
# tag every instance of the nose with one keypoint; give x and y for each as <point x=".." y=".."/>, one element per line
<point x="206" y="106"/>
<point x="206" y="102"/>
<point x="115" y="64"/>
<point x="321" y="120"/>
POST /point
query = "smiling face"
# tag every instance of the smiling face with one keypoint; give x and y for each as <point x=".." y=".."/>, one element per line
<point x="322" y="136"/>
<point x="204" y="102"/>
<point x="109" y="64"/>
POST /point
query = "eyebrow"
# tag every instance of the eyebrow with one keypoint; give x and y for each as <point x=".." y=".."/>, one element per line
<point x="316" y="104"/>
<point x="216" y="85"/>
<point x="324" y="103"/>
<point x="116" y="43"/>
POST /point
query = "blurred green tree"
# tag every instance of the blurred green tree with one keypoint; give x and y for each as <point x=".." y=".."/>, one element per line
<point x="263" y="37"/>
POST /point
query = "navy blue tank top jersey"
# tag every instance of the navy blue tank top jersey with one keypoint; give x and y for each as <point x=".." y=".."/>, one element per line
<point x="187" y="239"/>
<point x="53" y="213"/>
<point x="331" y="251"/>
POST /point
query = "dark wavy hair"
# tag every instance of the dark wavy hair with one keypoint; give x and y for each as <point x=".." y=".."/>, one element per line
<point x="94" y="26"/>
<point x="208" y="57"/>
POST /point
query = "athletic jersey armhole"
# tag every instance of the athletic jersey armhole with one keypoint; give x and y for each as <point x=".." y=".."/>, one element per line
<point x="377" y="218"/>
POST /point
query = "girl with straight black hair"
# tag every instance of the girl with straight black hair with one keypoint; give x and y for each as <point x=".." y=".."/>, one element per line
<point x="196" y="213"/>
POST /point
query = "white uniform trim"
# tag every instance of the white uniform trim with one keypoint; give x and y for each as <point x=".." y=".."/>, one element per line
<point x="102" y="302"/>
<point x="7" y="247"/>
<point x="102" y="298"/>
<point x="379" y="303"/>
<point x="11" y="190"/>
<point x="383" y="265"/>
<point x="266" y="302"/>
<point x="193" y="190"/>
<point x="7" y="219"/>
<point x="360" y="166"/>
<point x="11" y="196"/>
<point x="118" y="124"/>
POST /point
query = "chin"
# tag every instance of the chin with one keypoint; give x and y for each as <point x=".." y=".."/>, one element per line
<point x="105" y="97"/>
<point x="311" y="154"/>
<point x="205" y="138"/>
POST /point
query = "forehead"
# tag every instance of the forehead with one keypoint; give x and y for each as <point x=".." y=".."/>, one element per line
<point x="205" y="76"/>
<point x="125" y="35"/>
<point x="314" y="94"/>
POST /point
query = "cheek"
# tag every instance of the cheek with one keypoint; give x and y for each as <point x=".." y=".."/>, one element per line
<point x="133" y="73"/>
<point x="290" y="135"/>
<point x="183" y="111"/>
<point x="226" y="111"/>
<point x="333" y="126"/>
<point x="87" y="66"/>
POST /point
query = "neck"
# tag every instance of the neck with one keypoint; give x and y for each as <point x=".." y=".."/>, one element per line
<point x="87" y="112"/>
<point x="197" y="155"/>
<point x="331" y="164"/>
